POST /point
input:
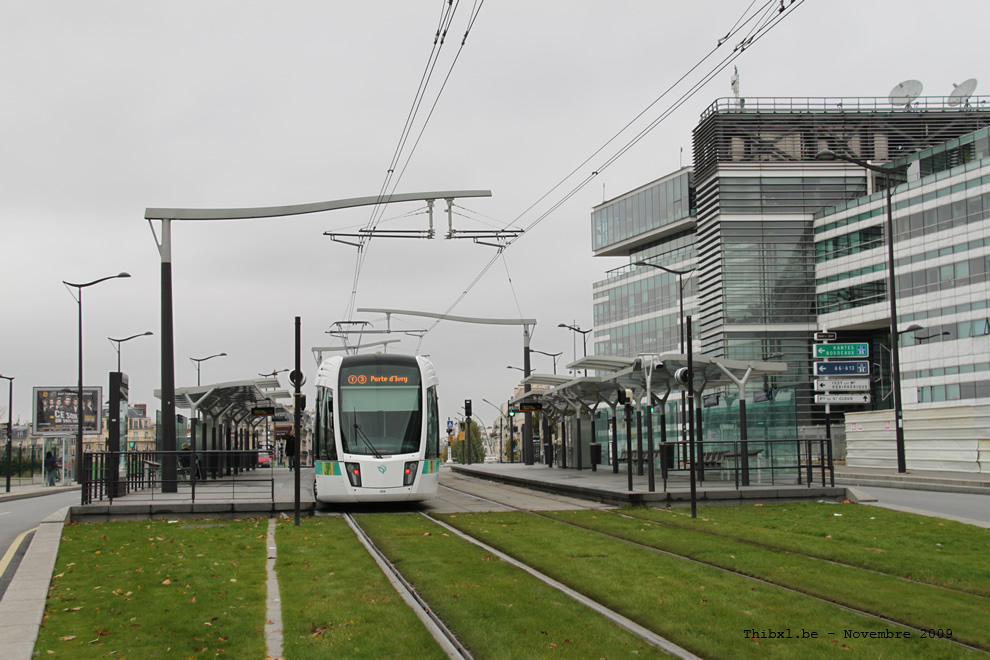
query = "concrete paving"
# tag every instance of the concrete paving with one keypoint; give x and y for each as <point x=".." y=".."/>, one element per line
<point x="22" y="606"/>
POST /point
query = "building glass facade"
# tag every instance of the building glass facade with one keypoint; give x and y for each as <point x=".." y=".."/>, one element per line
<point x="781" y="245"/>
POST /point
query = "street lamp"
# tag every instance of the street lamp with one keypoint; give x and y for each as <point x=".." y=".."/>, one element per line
<point x="680" y="295"/>
<point x="516" y="368"/>
<point x="10" y="424"/>
<point x="196" y="361"/>
<point x="680" y="324"/>
<point x="895" y="359"/>
<point x="274" y="373"/>
<point x="553" y="355"/>
<point x="501" y="434"/>
<point x="80" y="415"/>
<point x="121" y="341"/>
<point x="584" y="337"/>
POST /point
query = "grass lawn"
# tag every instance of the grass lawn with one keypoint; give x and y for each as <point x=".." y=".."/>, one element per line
<point x="496" y="609"/>
<point x="156" y="589"/>
<point x="699" y="607"/>
<point x="336" y="602"/>
<point x="920" y="548"/>
<point x="921" y="605"/>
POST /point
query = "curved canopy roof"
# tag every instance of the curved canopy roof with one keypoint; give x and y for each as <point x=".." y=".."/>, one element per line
<point x="648" y="376"/>
<point x="233" y="400"/>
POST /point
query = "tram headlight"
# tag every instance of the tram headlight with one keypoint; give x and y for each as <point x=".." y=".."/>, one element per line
<point x="354" y="473"/>
<point x="409" y="474"/>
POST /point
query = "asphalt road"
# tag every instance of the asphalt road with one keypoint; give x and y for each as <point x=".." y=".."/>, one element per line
<point x="19" y="516"/>
<point x="954" y="506"/>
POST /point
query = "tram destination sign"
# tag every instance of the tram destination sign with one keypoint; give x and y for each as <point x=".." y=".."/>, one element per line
<point x="843" y="398"/>
<point x="842" y="350"/>
<point x="843" y="385"/>
<point x="846" y="368"/>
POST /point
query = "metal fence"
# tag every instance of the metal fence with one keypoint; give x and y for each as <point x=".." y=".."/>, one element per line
<point x="221" y="475"/>
<point x="751" y="463"/>
<point x="25" y="465"/>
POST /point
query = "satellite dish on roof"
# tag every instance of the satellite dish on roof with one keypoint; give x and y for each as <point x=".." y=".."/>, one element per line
<point x="962" y="92"/>
<point x="905" y="92"/>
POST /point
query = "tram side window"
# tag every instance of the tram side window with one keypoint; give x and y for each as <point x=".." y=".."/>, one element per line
<point x="326" y="448"/>
<point x="432" y="424"/>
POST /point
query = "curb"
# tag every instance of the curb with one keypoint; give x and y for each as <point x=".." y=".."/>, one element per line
<point x="23" y="606"/>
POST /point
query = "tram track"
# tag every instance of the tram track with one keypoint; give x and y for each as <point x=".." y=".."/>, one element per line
<point x="438" y="629"/>
<point x="755" y="579"/>
<point x="778" y="548"/>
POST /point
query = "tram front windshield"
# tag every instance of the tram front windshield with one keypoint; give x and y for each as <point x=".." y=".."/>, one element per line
<point x="380" y="411"/>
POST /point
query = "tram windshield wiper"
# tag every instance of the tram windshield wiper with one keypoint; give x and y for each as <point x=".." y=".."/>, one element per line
<point x="365" y="438"/>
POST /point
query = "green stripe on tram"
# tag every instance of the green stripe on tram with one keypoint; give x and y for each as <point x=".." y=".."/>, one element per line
<point x="328" y="468"/>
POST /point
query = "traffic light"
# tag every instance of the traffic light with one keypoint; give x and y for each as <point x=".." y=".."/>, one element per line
<point x="512" y="413"/>
<point x="467" y="408"/>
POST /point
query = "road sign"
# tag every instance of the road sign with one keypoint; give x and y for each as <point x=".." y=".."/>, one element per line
<point x="843" y="385"/>
<point x="842" y="350"/>
<point x="843" y="398"/>
<point x="450" y="423"/>
<point x="846" y="368"/>
<point x="826" y="336"/>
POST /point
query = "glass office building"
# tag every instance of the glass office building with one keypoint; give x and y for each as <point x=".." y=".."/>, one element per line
<point x="781" y="245"/>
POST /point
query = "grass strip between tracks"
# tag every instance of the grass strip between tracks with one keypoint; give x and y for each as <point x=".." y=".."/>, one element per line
<point x="336" y="602"/>
<point x="920" y="548"/>
<point x="920" y="605"/>
<point x="157" y="589"/>
<point x="701" y="608"/>
<point x="496" y="609"/>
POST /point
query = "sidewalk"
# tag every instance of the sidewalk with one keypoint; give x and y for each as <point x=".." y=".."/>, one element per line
<point x="975" y="483"/>
<point x="20" y="492"/>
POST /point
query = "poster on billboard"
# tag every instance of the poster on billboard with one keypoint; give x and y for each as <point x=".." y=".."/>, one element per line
<point x="57" y="410"/>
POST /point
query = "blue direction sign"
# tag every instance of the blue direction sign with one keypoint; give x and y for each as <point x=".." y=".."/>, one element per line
<point x="845" y="368"/>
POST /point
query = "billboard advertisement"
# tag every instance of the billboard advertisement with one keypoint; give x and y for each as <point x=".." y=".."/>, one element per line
<point x="57" y="410"/>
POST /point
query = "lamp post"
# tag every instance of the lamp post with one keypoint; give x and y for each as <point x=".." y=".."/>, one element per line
<point x="117" y="342"/>
<point x="584" y="337"/>
<point x="895" y="359"/>
<point x="680" y="323"/>
<point x="268" y="433"/>
<point x="502" y="418"/>
<point x="79" y="434"/>
<point x="552" y="355"/>
<point x="197" y="361"/>
<point x="10" y="425"/>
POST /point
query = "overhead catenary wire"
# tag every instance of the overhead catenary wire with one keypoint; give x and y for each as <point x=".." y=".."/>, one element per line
<point x="770" y="14"/>
<point x="392" y="180"/>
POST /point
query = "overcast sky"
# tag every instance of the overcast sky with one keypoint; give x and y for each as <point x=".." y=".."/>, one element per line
<point x="112" y="107"/>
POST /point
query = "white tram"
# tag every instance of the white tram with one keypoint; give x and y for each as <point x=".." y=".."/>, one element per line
<point x="377" y="429"/>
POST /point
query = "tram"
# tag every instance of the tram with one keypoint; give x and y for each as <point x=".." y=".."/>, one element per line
<point x="377" y="429"/>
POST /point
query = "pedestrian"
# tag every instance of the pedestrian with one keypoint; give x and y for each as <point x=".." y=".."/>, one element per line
<point x="51" y="467"/>
<point x="290" y="448"/>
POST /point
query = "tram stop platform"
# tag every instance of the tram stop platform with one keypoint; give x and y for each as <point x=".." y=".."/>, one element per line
<point x="608" y="487"/>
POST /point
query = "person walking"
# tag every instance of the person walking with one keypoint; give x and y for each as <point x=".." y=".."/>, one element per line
<point x="290" y="448"/>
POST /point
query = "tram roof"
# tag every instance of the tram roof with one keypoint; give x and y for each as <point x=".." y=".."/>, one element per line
<point x="234" y="399"/>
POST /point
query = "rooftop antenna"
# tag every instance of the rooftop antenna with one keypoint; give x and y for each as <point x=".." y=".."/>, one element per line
<point x="735" y="86"/>
<point x="961" y="92"/>
<point x="905" y="93"/>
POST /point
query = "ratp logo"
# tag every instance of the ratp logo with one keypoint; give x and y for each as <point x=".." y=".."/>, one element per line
<point x="382" y="469"/>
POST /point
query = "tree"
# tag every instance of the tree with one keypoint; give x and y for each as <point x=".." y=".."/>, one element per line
<point x="474" y="442"/>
